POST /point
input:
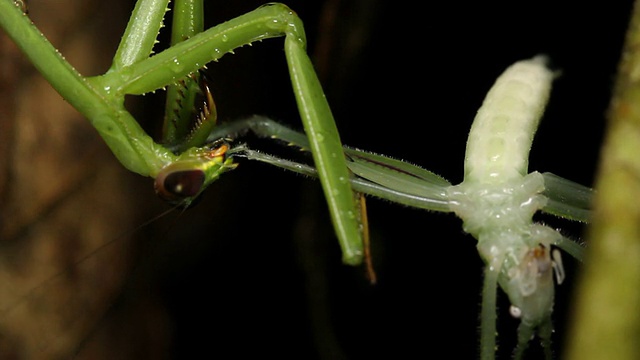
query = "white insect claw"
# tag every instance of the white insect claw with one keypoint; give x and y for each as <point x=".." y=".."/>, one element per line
<point x="557" y="266"/>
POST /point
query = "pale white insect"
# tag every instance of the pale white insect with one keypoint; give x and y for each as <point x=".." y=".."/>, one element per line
<point x="498" y="199"/>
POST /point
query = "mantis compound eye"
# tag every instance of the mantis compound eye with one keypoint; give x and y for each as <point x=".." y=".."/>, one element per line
<point x="181" y="182"/>
<point x="177" y="185"/>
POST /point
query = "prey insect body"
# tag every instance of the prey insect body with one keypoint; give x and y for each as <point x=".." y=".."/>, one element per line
<point x="497" y="201"/>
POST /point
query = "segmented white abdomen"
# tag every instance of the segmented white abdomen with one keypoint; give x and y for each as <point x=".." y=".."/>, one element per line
<point x="502" y="131"/>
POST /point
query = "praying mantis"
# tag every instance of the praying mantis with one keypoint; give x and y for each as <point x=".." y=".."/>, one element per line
<point x="397" y="147"/>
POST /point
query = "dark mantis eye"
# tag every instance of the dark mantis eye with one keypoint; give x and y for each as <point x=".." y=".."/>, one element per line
<point x="177" y="185"/>
<point x="181" y="182"/>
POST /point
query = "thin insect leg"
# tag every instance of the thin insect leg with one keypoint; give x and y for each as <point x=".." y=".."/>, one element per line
<point x="392" y="174"/>
<point x="545" y="330"/>
<point x="359" y="184"/>
<point x="526" y="332"/>
<point x="566" y="198"/>
<point x="364" y="220"/>
<point x="262" y="127"/>
<point x="571" y="247"/>
<point x="488" y="314"/>
<point x="389" y="176"/>
<point x="428" y="178"/>
<point x="268" y="128"/>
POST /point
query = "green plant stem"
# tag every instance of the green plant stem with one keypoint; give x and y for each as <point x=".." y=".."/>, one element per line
<point x="607" y="320"/>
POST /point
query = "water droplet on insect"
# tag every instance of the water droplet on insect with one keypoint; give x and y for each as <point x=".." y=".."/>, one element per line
<point x="351" y="215"/>
<point x="177" y="66"/>
<point x="342" y="179"/>
<point x="319" y="137"/>
<point x="225" y="38"/>
<point x="274" y="24"/>
<point x="125" y="73"/>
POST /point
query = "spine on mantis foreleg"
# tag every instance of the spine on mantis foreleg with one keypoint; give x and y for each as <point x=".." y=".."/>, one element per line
<point x="502" y="131"/>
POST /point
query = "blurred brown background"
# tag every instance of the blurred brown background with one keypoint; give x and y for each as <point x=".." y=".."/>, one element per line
<point x="254" y="269"/>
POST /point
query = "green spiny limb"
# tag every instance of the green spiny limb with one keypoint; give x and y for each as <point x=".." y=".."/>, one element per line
<point x="188" y="20"/>
<point x="141" y="33"/>
<point x="179" y="110"/>
<point x="181" y="96"/>
<point x="205" y="121"/>
<point x="184" y="58"/>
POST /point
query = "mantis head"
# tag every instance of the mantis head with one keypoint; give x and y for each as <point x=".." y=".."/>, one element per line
<point x="183" y="180"/>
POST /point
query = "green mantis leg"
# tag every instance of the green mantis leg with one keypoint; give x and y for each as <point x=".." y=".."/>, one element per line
<point x="180" y="104"/>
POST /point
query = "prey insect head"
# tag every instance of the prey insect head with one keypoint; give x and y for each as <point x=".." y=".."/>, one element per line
<point x="182" y="181"/>
<point x="529" y="284"/>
